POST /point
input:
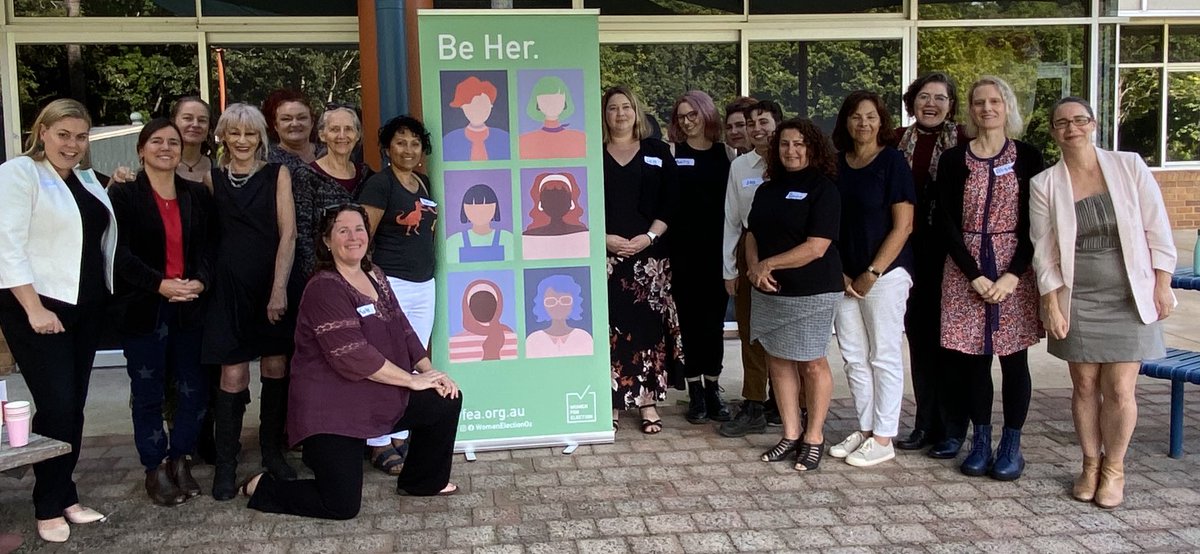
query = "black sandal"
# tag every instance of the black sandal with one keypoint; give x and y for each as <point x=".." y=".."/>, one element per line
<point x="650" y="426"/>
<point x="782" y="451"/>
<point x="808" y="456"/>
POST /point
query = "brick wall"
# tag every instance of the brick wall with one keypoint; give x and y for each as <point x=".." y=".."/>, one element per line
<point x="1181" y="193"/>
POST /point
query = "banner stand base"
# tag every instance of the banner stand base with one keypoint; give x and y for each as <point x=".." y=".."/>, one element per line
<point x="568" y="442"/>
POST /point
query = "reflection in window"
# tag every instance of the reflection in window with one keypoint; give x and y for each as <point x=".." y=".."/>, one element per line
<point x="1141" y="44"/>
<point x="487" y="4"/>
<point x="844" y="6"/>
<point x="323" y="74"/>
<point x="1042" y="64"/>
<point x="1183" y="115"/>
<point x="104" y="8"/>
<point x="1139" y="96"/>
<point x="1107" y="84"/>
<point x="810" y="79"/>
<point x="273" y="7"/>
<point x="660" y="73"/>
<point x="995" y="9"/>
<point x="112" y="80"/>
<point x="1184" y="43"/>
<point x="666" y="7"/>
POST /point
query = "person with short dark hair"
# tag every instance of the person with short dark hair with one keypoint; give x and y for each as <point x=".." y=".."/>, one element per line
<point x="480" y="242"/>
<point x="359" y="370"/>
<point x="877" y="211"/>
<point x="735" y="124"/>
<point x="401" y="214"/>
<point x="290" y="119"/>
<point x="163" y="268"/>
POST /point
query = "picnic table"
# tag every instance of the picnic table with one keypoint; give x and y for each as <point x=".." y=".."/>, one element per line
<point x="1179" y="367"/>
<point x="39" y="448"/>
<point x="1185" y="279"/>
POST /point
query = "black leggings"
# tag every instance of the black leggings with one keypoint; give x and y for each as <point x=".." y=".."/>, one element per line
<point x="335" y="492"/>
<point x="975" y="391"/>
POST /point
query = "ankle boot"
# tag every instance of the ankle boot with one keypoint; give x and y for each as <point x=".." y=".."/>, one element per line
<point x="979" y="461"/>
<point x="697" y="411"/>
<point x="161" y="488"/>
<point x="717" y="410"/>
<point x="1009" y="461"/>
<point x="272" y="416"/>
<point x="1111" y="491"/>
<point x="228" y="410"/>
<point x="1085" y="485"/>
<point x="180" y="470"/>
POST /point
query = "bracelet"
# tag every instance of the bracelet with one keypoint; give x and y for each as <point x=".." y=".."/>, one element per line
<point x="652" y="235"/>
<point x="871" y="269"/>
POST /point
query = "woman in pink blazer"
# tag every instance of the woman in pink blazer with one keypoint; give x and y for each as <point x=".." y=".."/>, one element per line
<point x="1104" y="256"/>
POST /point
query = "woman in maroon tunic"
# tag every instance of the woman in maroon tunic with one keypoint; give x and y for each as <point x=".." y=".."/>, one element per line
<point x="359" y="371"/>
<point x="989" y="295"/>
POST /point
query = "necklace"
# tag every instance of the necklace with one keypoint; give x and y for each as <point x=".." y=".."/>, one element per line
<point x="191" y="167"/>
<point x="238" y="182"/>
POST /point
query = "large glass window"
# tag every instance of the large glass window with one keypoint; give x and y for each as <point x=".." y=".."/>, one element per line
<point x="660" y="73"/>
<point x="1142" y="44"/>
<point x="1139" y="116"/>
<point x="666" y="7"/>
<point x="1184" y="44"/>
<point x="1042" y="64"/>
<point x="810" y="79"/>
<point x="1183" y="116"/>
<point x="487" y="4"/>
<point x="103" y="8"/>
<point x="996" y="9"/>
<point x="1142" y="126"/>
<point x="274" y="7"/>
<point x="843" y="6"/>
<point x="324" y="73"/>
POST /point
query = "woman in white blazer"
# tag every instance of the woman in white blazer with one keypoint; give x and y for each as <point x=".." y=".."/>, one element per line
<point x="1104" y="256"/>
<point x="58" y="236"/>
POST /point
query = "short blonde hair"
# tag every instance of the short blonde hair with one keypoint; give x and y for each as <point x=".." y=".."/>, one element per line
<point x="1014" y="125"/>
<point x="641" y="129"/>
<point x="56" y="111"/>
<point x="246" y="116"/>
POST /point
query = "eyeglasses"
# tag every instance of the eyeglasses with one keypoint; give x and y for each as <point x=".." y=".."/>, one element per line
<point x="690" y="117"/>
<point x="1078" y="121"/>
<point x="935" y="98"/>
<point x="334" y="209"/>
<point x="552" y="301"/>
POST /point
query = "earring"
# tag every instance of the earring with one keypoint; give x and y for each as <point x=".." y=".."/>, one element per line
<point x="540" y="207"/>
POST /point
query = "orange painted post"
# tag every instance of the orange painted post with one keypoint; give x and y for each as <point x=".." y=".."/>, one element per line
<point x="368" y="61"/>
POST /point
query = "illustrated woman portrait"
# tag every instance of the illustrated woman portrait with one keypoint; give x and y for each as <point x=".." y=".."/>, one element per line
<point x="475" y="142"/>
<point x="559" y="301"/>
<point x="479" y="242"/>
<point x="556" y="230"/>
<point x="484" y="336"/>
<point x="551" y="103"/>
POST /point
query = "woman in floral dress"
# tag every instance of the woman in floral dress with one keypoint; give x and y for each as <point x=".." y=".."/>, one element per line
<point x="989" y="295"/>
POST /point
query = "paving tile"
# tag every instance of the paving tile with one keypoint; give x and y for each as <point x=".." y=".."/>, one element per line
<point x="572" y="529"/>
<point x="764" y="519"/>
<point x="1159" y="541"/>
<point x="1106" y="542"/>
<point x="658" y="544"/>
<point x="621" y="526"/>
<point x="861" y="535"/>
<point x="1056" y="545"/>
<point x="670" y="523"/>
<point x="557" y="547"/>
<point x="709" y="542"/>
<point x="814" y="517"/>
<point x="756" y="541"/>
<point x="1052" y="525"/>
<point x="499" y="549"/>
<point x="602" y="546"/>
<point x="906" y="533"/>
<point x="1096" y="522"/>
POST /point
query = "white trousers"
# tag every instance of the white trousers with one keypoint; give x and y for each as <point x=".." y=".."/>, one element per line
<point x="416" y="300"/>
<point x="870" y="334"/>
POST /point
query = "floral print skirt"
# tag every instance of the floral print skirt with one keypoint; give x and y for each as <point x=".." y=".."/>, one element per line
<point x="643" y="328"/>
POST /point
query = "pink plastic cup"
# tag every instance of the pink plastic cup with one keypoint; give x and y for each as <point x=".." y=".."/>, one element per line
<point x="17" y="418"/>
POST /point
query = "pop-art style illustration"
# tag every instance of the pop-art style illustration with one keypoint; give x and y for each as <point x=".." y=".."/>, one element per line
<point x="479" y="218"/>
<point x="551" y="122"/>
<point x="558" y="313"/>
<point x="475" y="109"/>
<point x="480" y="328"/>
<point x="554" y="202"/>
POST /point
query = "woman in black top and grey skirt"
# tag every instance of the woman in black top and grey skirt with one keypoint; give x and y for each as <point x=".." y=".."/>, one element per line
<point x="797" y="276"/>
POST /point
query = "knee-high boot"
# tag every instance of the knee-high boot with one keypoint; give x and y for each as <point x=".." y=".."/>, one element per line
<point x="272" y="416"/>
<point x="228" y="409"/>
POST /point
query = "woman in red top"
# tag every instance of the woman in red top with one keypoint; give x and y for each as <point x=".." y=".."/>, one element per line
<point x="359" y="371"/>
<point x="161" y="270"/>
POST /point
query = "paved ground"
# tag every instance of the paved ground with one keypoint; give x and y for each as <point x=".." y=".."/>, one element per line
<point x="685" y="490"/>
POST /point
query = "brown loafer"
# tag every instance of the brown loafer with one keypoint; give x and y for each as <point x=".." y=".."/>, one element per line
<point x="162" y="488"/>
<point x="180" y="471"/>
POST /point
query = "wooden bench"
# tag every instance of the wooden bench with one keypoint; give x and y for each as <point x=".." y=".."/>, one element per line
<point x="1180" y="366"/>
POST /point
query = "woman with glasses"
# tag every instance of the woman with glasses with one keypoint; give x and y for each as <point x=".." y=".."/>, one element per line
<point x="695" y="249"/>
<point x="933" y="101"/>
<point x="1104" y="255"/>
<point x="989" y="297"/>
<point x="359" y="370"/>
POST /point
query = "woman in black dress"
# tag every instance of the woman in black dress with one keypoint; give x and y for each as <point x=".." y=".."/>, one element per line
<point x="249" y="316"/>
<point x="695" y="248"/>
<point x="640" y="194"/>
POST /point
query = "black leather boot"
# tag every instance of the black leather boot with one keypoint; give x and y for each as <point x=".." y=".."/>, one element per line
<point x="697" y="413"/>
<point x="228" y="410"/>
<point x="161" y="488"/>
<point x="272" y="416"/>
<point x="717" y="410"/>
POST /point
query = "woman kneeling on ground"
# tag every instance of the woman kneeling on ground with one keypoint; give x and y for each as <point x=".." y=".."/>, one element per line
<point x="359" y="371"/>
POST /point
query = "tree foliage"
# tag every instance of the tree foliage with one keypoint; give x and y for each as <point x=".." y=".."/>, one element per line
<point x="660" y="73"/>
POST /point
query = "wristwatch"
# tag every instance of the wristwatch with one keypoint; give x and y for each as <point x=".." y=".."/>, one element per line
<point x="653" y="236"/>
<point x="871" y="269"/>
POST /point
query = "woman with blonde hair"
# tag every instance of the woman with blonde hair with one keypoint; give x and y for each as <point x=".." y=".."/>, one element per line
<point x="58" y="239"/>
<point x="248" y="314"/>
<point x="1104" y="256"/>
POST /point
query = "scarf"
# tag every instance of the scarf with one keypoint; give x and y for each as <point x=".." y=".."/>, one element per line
<point x="947" y="138"/>
<point x="477" y="139"/>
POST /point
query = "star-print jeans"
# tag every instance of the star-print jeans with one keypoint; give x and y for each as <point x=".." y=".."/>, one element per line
<point x="150" y="357"/>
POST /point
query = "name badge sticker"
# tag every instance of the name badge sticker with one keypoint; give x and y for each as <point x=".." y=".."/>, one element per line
<point x="685" y="162"/>
<point x="797" y="195"/>
<point x="651" y="160"/>
<point x="366" y="310"/>
<point x="429" y="203"/>
<point x="1003" y="169"/>
<point x="752" y="182"/>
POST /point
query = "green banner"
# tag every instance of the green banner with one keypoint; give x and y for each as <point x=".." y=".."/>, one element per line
<point x="510" y="98"/>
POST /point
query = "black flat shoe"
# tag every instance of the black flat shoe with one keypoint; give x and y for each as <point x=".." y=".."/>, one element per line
<point x="916" y="440"/>
<point x="946" y="450"/>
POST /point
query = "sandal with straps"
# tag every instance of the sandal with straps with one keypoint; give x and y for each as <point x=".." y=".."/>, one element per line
<point x="782" y="451"/>
<point x="808" y="456"/>
<point x="650" y="426"/>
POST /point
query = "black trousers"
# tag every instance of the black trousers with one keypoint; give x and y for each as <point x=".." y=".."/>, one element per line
<point x="701" y="304"/>
<point x="923" y="327"/>
<point x="335" y="491"/>
<point x="57" y="369"/>
<point x="973" y="383"/>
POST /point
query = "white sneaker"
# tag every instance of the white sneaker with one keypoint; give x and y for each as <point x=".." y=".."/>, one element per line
<point x="871" y="453"/>
<point x="850" y="444"/>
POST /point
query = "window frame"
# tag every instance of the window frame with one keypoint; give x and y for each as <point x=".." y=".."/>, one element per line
<point x="1165" y="68"/>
